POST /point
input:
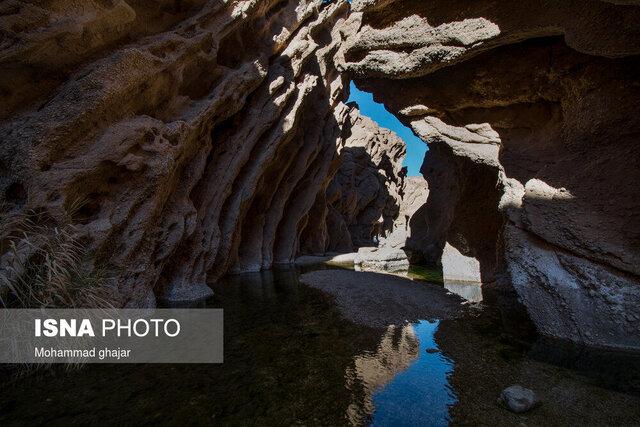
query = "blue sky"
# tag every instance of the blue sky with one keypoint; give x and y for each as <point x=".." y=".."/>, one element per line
<point x="416" y="148"/>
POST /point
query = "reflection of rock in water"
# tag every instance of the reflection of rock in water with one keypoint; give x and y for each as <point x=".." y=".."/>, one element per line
<point x="471" y="291"/>
<point x="398" y="349"/>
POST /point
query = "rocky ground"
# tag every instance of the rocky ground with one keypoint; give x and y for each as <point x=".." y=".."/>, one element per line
<point x="487" y="361"/>
<point x="378" y="300"/>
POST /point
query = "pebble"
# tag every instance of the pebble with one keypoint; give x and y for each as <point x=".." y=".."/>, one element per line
<point x="518" y="399"/>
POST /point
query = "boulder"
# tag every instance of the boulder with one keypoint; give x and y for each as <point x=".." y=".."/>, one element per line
<point x="384" y="258"/>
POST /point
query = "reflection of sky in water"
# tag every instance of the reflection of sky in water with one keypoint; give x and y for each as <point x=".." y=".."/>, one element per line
<point x="421" y="394"/>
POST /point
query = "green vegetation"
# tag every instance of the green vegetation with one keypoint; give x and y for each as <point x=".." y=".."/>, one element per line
<point x="419" y="272"/>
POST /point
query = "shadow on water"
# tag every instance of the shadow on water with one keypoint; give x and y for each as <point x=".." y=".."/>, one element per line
<point x="379" y="373"/>
<point x="291" y="358"/>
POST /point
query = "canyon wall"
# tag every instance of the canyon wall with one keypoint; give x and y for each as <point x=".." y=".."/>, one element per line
<point x="193" y="135"/>
<point x="370" y="206"/>
<point x="187" y="140"/>
<point x="409" y="227"/>
<point x="530" y="113"/>
<point x="402" y="244"/>
<point x="362" y="200"/>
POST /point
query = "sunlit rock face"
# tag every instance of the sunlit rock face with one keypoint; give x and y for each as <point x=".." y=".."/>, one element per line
<point x="401" y="244"/>
<point x="196" y="133"/>
<point x="530" y="113"/>
<point x="407" y="230"/>
<point x="456" y="266"/>
<point x="362" y="200"/>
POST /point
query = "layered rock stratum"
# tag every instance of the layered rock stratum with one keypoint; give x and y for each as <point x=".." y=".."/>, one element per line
<point x="529" y="112"/>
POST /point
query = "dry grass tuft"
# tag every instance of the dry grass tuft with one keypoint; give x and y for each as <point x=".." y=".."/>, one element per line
<point x="45" y="264"/>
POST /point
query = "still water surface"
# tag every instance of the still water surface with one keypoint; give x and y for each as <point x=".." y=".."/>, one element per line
<point x="292" y="359"/>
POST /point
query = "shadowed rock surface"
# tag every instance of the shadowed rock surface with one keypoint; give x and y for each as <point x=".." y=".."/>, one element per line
<point x="532" y="166"/>
<point x="379" y="300"/>
<point x="364" y="197"/>
<point x="196" y="133"/>
<point x="371" y="203"/>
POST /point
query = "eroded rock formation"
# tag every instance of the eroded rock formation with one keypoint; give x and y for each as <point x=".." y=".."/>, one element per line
<point x="201" y="138"/>
<point x="529" y="110"/>
<point x="370" y="206"/>
<point x="196" y="134"/>
<point x="403" y="245"/>
<point x="409" y="230"/>
<point x="363" y="199"/>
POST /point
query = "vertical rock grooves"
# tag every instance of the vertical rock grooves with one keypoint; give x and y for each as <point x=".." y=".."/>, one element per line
<point x="201" y="137"/>
<point x="363" y="198"/>
<point x="529" y="113"/>
<point x="189" y="133"/>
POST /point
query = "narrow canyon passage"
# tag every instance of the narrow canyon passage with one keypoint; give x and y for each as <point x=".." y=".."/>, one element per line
<point x="385" y="178"/>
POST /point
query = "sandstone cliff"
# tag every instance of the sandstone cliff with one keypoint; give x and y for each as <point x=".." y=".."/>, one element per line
<point x="363" y="198"/>
<point x="529" y="110"/>
<point x="196" y="134"/>
<point x="192" y="139"/>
